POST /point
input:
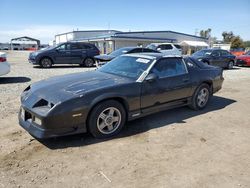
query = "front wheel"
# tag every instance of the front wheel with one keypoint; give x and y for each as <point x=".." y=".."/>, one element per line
<point x="46" y="62"/>
<point x="201" y="97"/>
<point x="106" y="119"/>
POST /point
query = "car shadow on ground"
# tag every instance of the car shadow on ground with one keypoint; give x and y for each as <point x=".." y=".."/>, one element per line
<point x="141" y="125"/>
<point x="234" y="68"/>
<point x="14" y="80"/>
<point x="62" y="67"/>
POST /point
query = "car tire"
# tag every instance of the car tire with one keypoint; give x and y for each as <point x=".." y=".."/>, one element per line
<point x="46" y="62"/>
<point x="200" y="97"/>
<point x="106" y="119"/>
<point x="230" y="65"/>
<point x="89" y="62"/>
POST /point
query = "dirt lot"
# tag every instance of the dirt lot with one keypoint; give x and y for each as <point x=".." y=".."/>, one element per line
<point x="175" y="148"/>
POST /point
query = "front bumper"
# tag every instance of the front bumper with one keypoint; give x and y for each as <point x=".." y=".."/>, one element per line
<point x="38" y="131"/>
<point x="240" y="62"/>
<point x="33" y="61"/>
<point x="4" y="68"/>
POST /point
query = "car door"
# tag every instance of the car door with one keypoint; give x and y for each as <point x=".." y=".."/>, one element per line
<point x="172" y="84"/>
<point x="63" y="54"/>
<point x="76" y="53"/>
<point x="216" y="58"/>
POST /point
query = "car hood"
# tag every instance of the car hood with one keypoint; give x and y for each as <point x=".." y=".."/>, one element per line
<point x="61" y="88"/>
<point x="104" y="57"/>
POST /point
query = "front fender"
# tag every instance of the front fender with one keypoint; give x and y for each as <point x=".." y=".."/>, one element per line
<point x="107" y="96"/>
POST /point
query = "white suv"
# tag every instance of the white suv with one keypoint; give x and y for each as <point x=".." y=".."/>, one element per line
<point x="166" y="48"/>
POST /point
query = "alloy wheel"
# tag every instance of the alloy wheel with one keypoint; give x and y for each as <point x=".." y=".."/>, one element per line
<point x="109" y="120"/>
<point x="202" y="97"/>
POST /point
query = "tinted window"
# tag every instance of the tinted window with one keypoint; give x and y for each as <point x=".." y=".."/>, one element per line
<point x="216" y="53"/>
<point x="169" y="67"/>
<point x="149" y="50"/>
<point x="165" y="47"/>
<point x="63" y="47"/>
<point x="84" y="46"/>
<point x="120" y="51"/>
<point x="203" y="53"/>
<point x="136" y="50"/>
<point x="225" y="53"/>
<point x="177" y="46"/>
<point x="74" y="47"/>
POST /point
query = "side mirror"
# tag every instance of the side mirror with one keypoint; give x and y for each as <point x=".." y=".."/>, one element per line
<point x="158" y="49"/>
<point x="151" y="77"/>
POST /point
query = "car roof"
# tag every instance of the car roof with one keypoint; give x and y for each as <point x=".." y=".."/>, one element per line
<point x="152" y="55"/>
<point x="160" y="43"/>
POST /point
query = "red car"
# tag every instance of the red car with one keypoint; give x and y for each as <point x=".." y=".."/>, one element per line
<point x="243" y="60"/>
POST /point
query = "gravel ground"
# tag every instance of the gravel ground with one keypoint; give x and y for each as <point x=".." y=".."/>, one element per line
<point x="175" y="148"/>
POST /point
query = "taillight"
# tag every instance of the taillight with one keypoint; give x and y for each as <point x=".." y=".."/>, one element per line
<point x="2" y="59"/>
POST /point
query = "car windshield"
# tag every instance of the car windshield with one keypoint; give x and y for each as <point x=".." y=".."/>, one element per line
<point x="119" y="52"/>
<point x="202" y="53"/>
<point x="127" y="66"/>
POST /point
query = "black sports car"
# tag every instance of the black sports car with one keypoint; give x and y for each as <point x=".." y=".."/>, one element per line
<point x="101" y="101"/>
<point x="104" y="58"/>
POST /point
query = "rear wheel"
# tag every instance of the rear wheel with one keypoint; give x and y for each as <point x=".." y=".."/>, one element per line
<point x="201" y="97"/>
<point x="89" y="62"/>
<point x="46" y="62"/>
<point x="106" y="119"/>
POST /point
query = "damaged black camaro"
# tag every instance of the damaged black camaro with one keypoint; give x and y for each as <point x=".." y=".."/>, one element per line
<point x="129" y="87"/>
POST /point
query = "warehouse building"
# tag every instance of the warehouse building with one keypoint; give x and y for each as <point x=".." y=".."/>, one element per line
<point x="110" y="40"/>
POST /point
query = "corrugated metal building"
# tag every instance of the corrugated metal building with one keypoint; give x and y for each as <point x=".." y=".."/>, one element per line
<point x="110" y="40"/>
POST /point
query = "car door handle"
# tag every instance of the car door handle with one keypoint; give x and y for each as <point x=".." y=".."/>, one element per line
<point x="67" y="52"/>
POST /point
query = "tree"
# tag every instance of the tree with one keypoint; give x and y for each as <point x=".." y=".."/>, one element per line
<point x="206" y="33"/>
<point x="247" y="43"/>
<point x="227" y="36"/>
<point x="237" y="42"/>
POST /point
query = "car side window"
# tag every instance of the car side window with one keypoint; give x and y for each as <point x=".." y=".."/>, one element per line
<point x="169" y="67"/>
<point x="216" y="53"/>
<point x="165" y="47"/>
<point x="190" y="63"/>
<point x="225" y="53"/>
<point x="63" y="47"/>
<point x="84" y="46"/>
<point x="74" y="47"/>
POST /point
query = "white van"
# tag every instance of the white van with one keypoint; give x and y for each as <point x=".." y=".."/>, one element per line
<point x="166" y="48"/>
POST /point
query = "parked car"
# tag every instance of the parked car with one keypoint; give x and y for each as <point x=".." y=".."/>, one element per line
<point x="216" y="57"/>
<point x="104" y="58"/>
<point x="243" y="60"/>
<point x="166" y="48"/>
<point x="237" y="51"/>
<point x="128" y="87"/>
<point x="4" y="65"/>
<point x="66" y="53"/>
